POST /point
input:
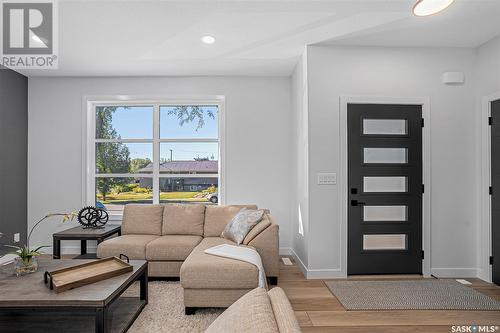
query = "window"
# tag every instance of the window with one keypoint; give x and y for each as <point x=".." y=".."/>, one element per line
<point x="153" y="153"/>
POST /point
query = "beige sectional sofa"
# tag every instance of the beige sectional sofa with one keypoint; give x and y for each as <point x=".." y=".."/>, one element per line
<point x="173" y="238"/>
<point x="258" y="311"/>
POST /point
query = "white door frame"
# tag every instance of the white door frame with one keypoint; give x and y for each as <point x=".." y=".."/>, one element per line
<point x="426" y="169"/>
<point x="484" y="239"/>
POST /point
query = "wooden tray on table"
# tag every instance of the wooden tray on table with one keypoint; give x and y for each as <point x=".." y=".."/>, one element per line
<point x="83" y="274"/>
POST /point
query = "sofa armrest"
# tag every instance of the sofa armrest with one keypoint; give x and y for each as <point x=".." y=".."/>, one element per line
<point x="267" y="244"/>
<point x="283" y="311"/>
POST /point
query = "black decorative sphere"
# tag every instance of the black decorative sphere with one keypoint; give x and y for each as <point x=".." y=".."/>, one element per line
<point x="92" y="217"/>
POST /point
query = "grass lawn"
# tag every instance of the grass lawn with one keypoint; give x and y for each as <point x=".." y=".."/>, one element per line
<point x="177" y="195"/>
<point x="164" y="196"/>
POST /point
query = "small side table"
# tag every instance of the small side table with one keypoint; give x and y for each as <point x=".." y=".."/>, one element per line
<point x="79" y="233"/>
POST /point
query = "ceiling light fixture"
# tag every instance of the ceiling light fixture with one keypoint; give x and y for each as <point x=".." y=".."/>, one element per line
<point x="430" y="7"/>
<point x="208" y="39"/>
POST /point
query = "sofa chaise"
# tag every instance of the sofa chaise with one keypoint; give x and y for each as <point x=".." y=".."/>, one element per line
<point x="173" y="237"/>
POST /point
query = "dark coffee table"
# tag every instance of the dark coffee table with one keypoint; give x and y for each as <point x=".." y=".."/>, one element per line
<point x="27" y="305"/>
<point x="83" y="235"/>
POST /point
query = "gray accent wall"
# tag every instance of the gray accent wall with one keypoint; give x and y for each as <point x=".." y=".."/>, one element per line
<point x="13" y="156"/>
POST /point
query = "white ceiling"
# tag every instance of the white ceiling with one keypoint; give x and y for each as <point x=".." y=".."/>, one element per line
<point x="467" y="23"/>
<point x="144" y="38"/>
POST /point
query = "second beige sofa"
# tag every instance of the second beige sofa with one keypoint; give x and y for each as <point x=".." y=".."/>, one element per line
<point x="173" y="237"/>
<point x="258" y="311"/>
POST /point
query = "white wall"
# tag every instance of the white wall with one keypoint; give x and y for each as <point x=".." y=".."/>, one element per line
<point x="488" y="67"/>
<point x="300" y="163"/>
<point x="487" y="83"/>
<point x="280" y="132"/>
<point x="258" y="140"/>
<point x="396" y="72"/>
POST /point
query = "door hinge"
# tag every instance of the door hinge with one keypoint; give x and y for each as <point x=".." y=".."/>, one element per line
<point x="423" y="256"/>
<point x="490" y="121"/>
<point x="490" y="190"/>
<point x="422" y="122"/>
<point x="491" y="260"/>
<point x="423" y="188"/>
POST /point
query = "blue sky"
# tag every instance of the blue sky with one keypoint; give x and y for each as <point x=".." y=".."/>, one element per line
<point x="137" y="123"/>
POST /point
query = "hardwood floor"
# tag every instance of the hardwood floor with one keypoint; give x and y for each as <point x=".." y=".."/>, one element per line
<point x="318" y="310"/>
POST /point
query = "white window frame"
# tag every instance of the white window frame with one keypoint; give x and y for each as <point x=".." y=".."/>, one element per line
<point x="91" y="102"/>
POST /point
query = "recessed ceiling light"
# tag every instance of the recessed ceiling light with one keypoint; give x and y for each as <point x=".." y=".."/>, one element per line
<point x="429" y="7"/>
<point x="208" y="39"/>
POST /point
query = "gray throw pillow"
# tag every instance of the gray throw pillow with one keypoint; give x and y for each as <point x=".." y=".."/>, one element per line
<point x="241" y="224"/>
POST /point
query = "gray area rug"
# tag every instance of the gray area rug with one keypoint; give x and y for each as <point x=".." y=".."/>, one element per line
<point x="165" y="311"/>
<point x="428" y="294"/>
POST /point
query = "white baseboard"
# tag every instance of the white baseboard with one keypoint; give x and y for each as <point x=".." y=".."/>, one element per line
<point x="297" y="259"/>
<point x="337" y="273"/>
<point x="334" y="273"/>
<point x="285" y="251"/>
<point x="454" y="272"/>
<point x="308" y="273"/>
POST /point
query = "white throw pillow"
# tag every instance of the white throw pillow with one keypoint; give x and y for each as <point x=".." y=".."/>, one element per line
<point x="241" y="224"/>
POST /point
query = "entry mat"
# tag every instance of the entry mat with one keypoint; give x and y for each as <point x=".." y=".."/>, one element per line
<point x="425" y="294"/>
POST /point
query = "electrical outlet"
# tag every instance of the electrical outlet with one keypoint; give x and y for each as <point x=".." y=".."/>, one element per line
<point x="17" y="237"/>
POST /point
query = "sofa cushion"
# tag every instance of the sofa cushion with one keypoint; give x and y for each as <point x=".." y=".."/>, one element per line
<point x="255" y="231"/>
<point x="183" y="219"/>
<point x="251" y="313"/>
<point x="283" y="311"/>
<point x="133" y="246"/>
<point x="140" y="219"/>
<point x="171" y="247"/>
<point x="201" y="270"/>
<point x="217" y="217"/>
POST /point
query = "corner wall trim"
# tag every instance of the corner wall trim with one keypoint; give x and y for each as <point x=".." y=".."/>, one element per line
<point x="297" y="259"/>
<point x="311" y="274"/>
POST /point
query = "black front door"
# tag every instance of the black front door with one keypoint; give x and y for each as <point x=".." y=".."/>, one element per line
<point x="385" y="189"/>
<point x="495" y="193"/>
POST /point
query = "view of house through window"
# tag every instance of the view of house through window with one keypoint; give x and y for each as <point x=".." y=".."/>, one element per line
<point x="156" y="154"/>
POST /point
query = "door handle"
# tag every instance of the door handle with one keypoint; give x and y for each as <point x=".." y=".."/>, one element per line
<point x="357" y="203"/>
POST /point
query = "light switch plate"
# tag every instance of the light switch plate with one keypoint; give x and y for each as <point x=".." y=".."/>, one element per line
<point x="327" y="178"/>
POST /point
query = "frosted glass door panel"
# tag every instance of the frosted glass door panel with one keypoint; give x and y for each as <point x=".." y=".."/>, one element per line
<point x="384" y="184"/>
<point x="385" y="155"/>
<point x="384" y="242"/>
<point x="384" y="213"/>
<point x="385" y="126"/>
